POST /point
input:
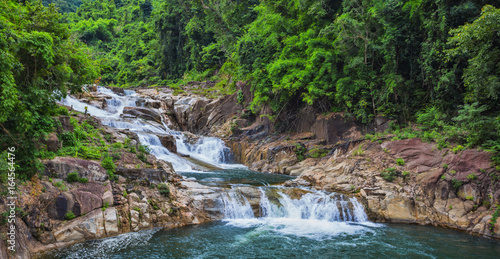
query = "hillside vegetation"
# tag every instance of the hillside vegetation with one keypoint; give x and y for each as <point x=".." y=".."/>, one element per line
<point x="434" y="62"/>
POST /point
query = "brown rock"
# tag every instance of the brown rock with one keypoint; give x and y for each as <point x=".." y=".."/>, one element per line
<point x="168" y="141"/>
<point x="86" y="202"/>
<point x="60" y="167"/>
<point x="52" y="142"/>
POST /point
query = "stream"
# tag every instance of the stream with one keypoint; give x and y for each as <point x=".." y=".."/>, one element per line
<point x="277" y="222"/>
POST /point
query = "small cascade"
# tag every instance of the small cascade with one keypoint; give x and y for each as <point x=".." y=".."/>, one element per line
<point x="236" y="206"/>
<point x="317" y="205"/>
<point x="208" y="149"/>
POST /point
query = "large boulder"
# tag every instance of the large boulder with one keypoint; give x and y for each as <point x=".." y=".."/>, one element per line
<point x="168" y="141"/>
<point x="62" y="204"/>
<point x="89" y="226"/>
<point x="60" y="167"/>
<point x="65" y="123"/>
<point x="85" y="202"/>
<point x="52" y="142"/>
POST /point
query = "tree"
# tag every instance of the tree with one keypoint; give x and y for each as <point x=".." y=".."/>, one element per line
<point x="42" y="62"/>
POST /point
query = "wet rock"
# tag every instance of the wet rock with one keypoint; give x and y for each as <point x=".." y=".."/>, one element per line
<point x="143" y="113"/>
<point x="168" y="141"/>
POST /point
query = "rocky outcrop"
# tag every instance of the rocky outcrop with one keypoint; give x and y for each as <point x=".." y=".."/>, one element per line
<point x="60" y="167"/>
<point x="143" y="113"/>
<point x="168" y="141"/>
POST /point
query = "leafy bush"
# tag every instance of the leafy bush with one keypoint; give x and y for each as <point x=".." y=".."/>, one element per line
<point x="163" y="189"/>
<point x="494" y="218"/>
<point x="240" y="97"/>
<point x="72" y="177"/>
<point x="107" y="163"/>
<point x="400" y="161"/>
<point x="456" y="183"/>
<point x="83" y="180"/>
<point x="300" y="151"/>
<point x="144" y="149"/>
<point x="389" y="174"/>
<point x="472" y="176"/>
<point x="457" y="149"/>
<point x="68" y="139"/>
<point x="445" y="166"/>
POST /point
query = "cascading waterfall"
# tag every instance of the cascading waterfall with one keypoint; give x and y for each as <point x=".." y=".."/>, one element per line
<point x="317" y="215"/>
<point x="312" y="206"/>
<point x="209" y="149"/>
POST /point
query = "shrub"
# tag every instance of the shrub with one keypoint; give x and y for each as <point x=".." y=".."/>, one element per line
<point x="457" y="149"/>
<point x="300" y="151"/>
<point x="443" y="177"/>
<point x="470" y="198"/>
<point x="389" y="174"/>
<point x="445" y="166"/>
<point x="107" y="163"/>
<point x="453" y="171"/>
<point x="456" y="183"/>
<point x="144" y="149"/>
<point x="163" y="189"/>
<point x="72" y="177"/>
<point x="400" y="161"/>
<point x="118" y="145"/>
<point x="83" y="180"/>
<point x="494" y="218"/>
<point x="240" y="97"/>
<point x="69" y="216"/>
<point x="68" y="139"/>
<point x="116" y="156"/>
<point x="472" y="176"/>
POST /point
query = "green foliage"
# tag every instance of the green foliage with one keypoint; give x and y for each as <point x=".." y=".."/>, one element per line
<point x="400" y="161"/>
<point x="240" y="97"/>
<point x="456" y="183"/>
<point x="472" y="176"/>
<point x="107" y="163"/>
<point x="494" y="218"/>
<point x="457" y="149"/>
<point x="163" y="189"/>
<point x="300" y="151"/>
<point x="389" y="174"/>
<point x="69" y="216"/>
<point x="445" y="166"/>
<point x="443" y="177"/>
<point x="40" y="63"/>
<point x="72" y="177"/>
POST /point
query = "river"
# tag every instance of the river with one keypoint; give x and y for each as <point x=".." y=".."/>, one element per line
<point x="278" y="222"/>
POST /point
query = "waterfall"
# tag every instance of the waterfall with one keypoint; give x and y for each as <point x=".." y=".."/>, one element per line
<point x="236" y="206"/>
<point x="317" y="205"/>
<point x="208" y="149"/>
